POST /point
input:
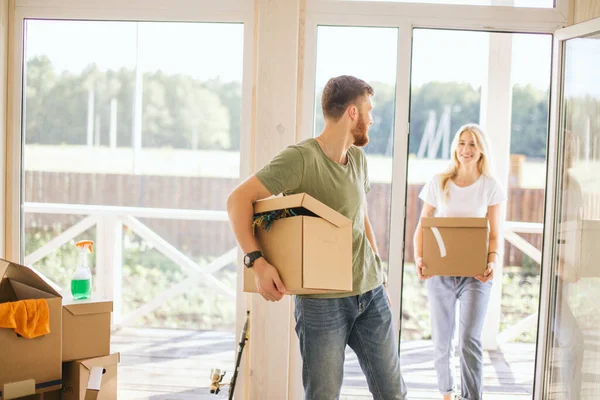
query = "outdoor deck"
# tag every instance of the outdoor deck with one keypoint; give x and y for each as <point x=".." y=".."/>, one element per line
<point x="175" y="364"/>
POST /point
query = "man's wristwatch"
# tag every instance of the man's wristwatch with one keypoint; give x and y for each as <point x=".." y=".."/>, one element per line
<point x="251" y="257"/>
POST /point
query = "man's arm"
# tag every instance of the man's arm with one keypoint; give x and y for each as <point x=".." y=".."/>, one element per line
<point x="240" y="207"/>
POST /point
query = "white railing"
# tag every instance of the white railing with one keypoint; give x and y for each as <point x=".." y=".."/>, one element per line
<point x="511" y="234"/>
<point x="109" y="221"/>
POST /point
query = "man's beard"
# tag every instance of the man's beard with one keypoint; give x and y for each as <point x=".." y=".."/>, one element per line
<point x="359" y="132"/>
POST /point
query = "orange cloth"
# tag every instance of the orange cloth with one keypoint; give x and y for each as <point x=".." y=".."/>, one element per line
<point x="29" y="318"/>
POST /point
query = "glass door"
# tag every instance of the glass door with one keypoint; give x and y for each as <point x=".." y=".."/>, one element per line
<point x="573" y="325"/>
<point x="501" y="82"/>
<point x="335" y="55"/>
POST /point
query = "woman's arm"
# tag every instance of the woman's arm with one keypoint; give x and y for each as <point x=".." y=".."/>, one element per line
<point x="495" y="221"/>
<point x="427" y="211"/>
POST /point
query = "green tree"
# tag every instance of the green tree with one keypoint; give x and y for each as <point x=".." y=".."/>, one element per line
<point x="199" y="117"/>
<point x="63" y="114"/>
<point x="434" y="96"/>
<point x="529" y="126"/>
<point x="381" y="134"/>
<point x="181" y="112"/>
<point x="230" y="94"/>
<point x="158" y="115"/>
<point x="40" y="79"/>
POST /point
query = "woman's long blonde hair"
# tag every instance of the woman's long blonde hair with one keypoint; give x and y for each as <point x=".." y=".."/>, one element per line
<point x="484" y="164"/>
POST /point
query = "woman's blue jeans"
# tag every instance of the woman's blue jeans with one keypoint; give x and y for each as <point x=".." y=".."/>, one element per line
<point x="443" y="293"/>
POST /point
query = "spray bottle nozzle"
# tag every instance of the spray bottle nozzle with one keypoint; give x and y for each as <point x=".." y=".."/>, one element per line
<point x="83" y="245"/>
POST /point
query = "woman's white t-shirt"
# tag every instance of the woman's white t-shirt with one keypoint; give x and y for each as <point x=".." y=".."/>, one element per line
<point x="469" y="201"/>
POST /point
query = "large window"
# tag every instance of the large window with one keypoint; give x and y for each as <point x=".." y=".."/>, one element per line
<point x="123" y="124"/>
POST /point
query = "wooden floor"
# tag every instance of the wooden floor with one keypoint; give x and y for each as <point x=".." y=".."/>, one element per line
<point x="174" y="364"/>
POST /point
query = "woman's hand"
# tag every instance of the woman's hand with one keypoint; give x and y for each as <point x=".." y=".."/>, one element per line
<point x="421" y="268"/>
<point x="488" y="274"/>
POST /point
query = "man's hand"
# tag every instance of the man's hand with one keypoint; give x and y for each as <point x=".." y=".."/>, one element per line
<point x="268" y="282"/>
<point x="421" y="267"/>
<point x="488" y="274"/>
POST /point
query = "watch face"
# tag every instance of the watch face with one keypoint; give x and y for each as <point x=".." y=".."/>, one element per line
<point x="246" y="261"/>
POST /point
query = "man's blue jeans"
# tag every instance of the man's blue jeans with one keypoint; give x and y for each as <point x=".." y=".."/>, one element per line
<point x="326" y="326"/>
<point x="443" y="292"/>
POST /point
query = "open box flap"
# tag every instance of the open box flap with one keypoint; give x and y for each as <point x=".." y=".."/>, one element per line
<point x="89" y="306"/>
<point x="302" y="200"/>
<point x="101" y="361"/>
<point x="25" y="275"/>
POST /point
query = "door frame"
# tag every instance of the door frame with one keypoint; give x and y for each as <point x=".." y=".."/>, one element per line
<point x="406" y="18"/>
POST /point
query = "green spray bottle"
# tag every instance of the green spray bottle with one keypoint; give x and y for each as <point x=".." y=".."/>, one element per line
<point x="81" y="283"/>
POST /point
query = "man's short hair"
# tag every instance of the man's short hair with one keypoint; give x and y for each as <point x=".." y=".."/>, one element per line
<point x="340" y="92"/>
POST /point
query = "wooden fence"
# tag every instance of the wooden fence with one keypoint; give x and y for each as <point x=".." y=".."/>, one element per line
<point x="208" y="238"/>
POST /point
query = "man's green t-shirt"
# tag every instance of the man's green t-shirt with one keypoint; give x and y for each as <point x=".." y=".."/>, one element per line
<point x="304" y="168"/>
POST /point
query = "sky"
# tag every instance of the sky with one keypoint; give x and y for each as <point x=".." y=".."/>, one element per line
<point x="192" y="48"/>
<point x="582" y="71"/>
<point x="438" y="55"/>
<point x="189" y="48"/>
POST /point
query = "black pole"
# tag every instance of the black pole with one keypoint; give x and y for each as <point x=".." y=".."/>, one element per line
<point x="243" y="339"/>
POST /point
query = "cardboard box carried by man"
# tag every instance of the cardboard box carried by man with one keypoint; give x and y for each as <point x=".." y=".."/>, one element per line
<point x="311" y="247"/>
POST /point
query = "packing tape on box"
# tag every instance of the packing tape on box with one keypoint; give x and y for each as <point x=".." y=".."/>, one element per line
<point x="19" y="389"/>
<point x="94" y="383"/>
<point x="439" y="240"/>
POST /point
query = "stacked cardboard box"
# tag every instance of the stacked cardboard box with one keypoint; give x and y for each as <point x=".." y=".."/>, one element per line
<point x="29" y="366"/>
<point x="72" y="361"/>
<point x="89" y="370"/>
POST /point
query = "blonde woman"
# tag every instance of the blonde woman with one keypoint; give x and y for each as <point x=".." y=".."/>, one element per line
<point x="466" y="189"/>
